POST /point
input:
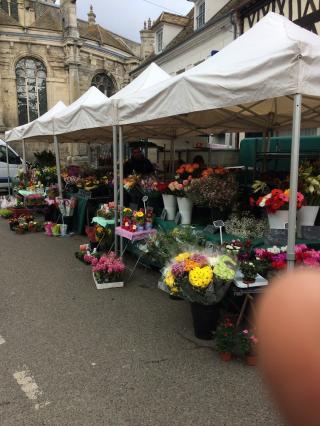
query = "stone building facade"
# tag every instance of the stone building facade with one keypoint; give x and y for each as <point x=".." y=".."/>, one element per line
<point x="48" y="55"/>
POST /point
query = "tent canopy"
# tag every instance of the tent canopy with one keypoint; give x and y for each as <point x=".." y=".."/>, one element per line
<point x="91" y="97"/>
<point x="247" y="86"/>
<point x="88" y="119"/>
<point x="35" y="127"/>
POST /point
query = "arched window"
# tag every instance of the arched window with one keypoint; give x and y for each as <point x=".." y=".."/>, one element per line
<point x="31" y="77"/>
<point x="104" y="83"/>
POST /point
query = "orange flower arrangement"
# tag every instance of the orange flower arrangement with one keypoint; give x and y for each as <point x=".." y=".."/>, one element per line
<point x="214" y="171"/>
<point x="187" y="168"/>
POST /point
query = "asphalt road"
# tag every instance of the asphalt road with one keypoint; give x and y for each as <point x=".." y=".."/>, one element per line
<point x="74" y="355"/>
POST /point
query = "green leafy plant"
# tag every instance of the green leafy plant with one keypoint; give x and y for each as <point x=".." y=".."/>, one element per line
<point x="5" y="213"/>
<point x="309" y="181"/>
<point x="45" y="158"/>
<point x="249" y="271"/>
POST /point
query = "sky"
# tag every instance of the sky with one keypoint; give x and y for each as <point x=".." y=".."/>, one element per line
<point x="126" y="17"/>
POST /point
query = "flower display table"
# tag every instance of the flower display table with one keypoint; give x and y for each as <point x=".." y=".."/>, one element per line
<point x="134" y="237"/>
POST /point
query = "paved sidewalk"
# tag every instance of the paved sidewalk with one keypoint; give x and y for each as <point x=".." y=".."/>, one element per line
<point x="73" y="355"/>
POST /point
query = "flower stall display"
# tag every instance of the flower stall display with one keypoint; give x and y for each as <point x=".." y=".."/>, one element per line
<point x="276" y="203"/>
<point x="107" y="270"/>
<point x="202" y="279"/>
<point x="34" y="200"/>
<point x="309" y="183"/>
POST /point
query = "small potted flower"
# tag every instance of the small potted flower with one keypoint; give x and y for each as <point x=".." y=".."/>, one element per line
<point x="140" y="220"/>
<point x="248" y="344"/>
<point x="249" y="271"/>
<point x="13" y="223"/>
<point x="56" y="230"/>
<point x="126" y="218"/>
<point x="225" y="339"/>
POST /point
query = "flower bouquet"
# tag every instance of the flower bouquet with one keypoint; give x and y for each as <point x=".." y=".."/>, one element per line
<point x="278" y="199"/>
<point x="107" y="271"/>
<point x="106" y="211"/>
<point x="200" y="278"/>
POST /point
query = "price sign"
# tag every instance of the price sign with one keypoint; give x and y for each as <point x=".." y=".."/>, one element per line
<point x="219" y="224"/>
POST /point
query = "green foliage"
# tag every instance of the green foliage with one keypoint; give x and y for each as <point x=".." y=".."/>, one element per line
<point x="45" y="158"/>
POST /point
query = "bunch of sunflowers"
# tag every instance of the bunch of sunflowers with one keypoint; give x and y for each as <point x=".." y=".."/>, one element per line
<point x="199" y="277"/>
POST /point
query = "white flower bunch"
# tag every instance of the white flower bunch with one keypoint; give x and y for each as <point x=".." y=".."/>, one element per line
<point x="246" y="226"/>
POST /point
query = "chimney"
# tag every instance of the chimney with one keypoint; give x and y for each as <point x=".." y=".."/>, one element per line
<point x="147" y="40"/>
<point x="91" y="16"/>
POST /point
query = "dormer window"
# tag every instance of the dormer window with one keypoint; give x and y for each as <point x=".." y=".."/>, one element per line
<point x="201" y="15"/>
<point x="159" y="40"/>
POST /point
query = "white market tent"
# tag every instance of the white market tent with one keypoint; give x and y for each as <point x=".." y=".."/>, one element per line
<point x="266" y="79"/>
<point x="35" y="127"/>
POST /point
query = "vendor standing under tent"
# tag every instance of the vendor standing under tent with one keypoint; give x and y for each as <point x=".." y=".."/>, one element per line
<point x="137" y="164"/>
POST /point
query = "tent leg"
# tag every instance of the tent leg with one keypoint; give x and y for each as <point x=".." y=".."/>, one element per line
<point x="8" y="168"/>
<point x="115" y="185"/>
<point x="121" y="180"/>
<point x="57" y="153"/>
<point x="294" y="170"/>
<point x="172" y="157"/>
<point x="24" y="156"/>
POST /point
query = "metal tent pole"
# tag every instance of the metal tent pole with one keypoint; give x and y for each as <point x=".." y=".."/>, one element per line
<point x="121" y="180"/>
<point x="294" y="170"/>
<point x="115" y="185"/>
<point x="24" y="156"/>
<point x="8" y="168"/>
<point x="57" y="153"/>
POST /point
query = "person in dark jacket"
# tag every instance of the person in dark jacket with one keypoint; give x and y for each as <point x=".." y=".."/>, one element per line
<point x="138" y="164"/>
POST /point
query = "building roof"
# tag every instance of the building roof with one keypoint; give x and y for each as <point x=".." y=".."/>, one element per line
<point x="47" y="18"/>
<point x="97" y="33"/>
<point x="187" y="33"/>
<point x="171" y="18"/>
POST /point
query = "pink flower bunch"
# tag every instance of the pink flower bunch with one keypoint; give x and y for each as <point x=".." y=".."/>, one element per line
<point x="109" y="264"/>
<point x="91" y="260"/>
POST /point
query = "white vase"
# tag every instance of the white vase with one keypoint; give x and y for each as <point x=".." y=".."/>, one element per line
<point x="306" y="216"/>
<point x="170" y="205"/>
<point x="278" y="219"/>
<point x="185" y="209"/>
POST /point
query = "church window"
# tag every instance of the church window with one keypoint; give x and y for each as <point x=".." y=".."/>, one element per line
<point x="31" y="78"/>
<point x="104" y="83"/>
<point x="10" y="7"/>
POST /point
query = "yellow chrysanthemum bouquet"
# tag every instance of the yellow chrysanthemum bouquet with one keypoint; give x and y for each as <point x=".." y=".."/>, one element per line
<point x="200" y="277"/>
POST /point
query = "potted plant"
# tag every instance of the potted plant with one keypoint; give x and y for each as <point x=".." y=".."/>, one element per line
<point x="277" y="204"/>
<point x="309" y="182"/>
<point x="139" y="217"/>
<point x="107" y="271"/>
<point x="202" y="280"/>
<point x="247" y="344"/>
<point x="225" y="339"/>
<point x="249" y="271"/>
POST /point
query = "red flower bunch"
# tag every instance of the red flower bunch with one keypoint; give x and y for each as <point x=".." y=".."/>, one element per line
<point x="277" y="199"/>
